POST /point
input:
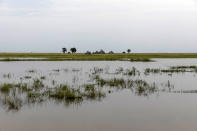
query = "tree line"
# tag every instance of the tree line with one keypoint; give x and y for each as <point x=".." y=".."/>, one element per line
<point x="74" y="50"/>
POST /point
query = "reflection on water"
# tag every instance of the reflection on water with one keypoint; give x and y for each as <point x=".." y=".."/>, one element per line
<point x="97" y="95"/>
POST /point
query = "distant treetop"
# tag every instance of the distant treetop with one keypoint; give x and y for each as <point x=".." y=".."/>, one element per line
<point x="73" y="50"/>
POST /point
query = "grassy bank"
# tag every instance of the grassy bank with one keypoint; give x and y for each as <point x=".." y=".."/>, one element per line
<point x="80" y="56"/>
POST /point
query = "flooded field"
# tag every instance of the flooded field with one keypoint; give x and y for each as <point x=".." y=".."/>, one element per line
<point x="98" y="95"/>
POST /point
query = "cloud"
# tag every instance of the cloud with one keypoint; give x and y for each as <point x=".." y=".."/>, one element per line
<point x="91" y="7"/>
<point x="63" y="7"/>
<point x="22" y="7"/>
<point x="139" y="24"/>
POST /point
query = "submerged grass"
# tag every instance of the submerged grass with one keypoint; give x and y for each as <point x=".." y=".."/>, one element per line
<point x="171" y="70"/>
<point x="43" y="77"/>
<point x="27" y="77"/>
<point x="91" y="92"/>
<point x="65" y="93"/>
<point x="119" y="70"/>
<point x="38" y="84"/>
<point x="140" y="87"/>
<point x="186" y="91"/>
<point x="132" y="72"/>
<point x="184" y="67"/>
<point x="5" y="88"/>
<point x="31" y="71"/>
<point x="12" y="103"/>
<point x="38" y="90"/>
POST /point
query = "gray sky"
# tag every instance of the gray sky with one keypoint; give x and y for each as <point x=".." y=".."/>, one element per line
<point x="141" y="25"/>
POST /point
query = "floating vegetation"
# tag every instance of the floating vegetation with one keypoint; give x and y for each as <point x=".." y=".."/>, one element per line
<point x="115" y="82"/>
<point x="5" y="88"/>
<point x="37" y="84"/>
<point x="91" y="92"/>
<point x="119" y="70"/>
<point x="56" y="70"/>
<point x="100" y="82"/>
<point x="12" y="103"/>
<point x="184" y="67"/>
<point x="138" y="86"/>
<point x="159" y="71"/>
<point x="97" y="70"/>
<point x="172" y="69"/>
<point x="66" y="93"/>
<point x="191" y="68"/>
<point x="132" y="72"/>
<point x="27" y="77"/>
<point x="141" y="60"/>
<point x="185" y="91"/>
<point x="35" y="90"/>
<point x="89" y="87"/>
<point x="149" y="70"/>
<point x="23" y="87"/>
<point x="31" y="71"/>
<point x="43" y="77"/>
<point x="141" y="87"/>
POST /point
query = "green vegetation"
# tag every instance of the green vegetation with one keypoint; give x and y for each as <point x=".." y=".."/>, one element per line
<point x="5" y="88"/>
<point x="77" y="56"/>
<point x="15" y="95"/>
<point x="173" y="69"/>
<point x="56" y="70"/>
<point x="119" y="70"/>
<point x="31" y="71"/>
<point x="134" y="57"/>
<point x="156" y="71"/>
<point x="101" y="81"/>
<point x="112" y="82"/>
<point x="184" y="67"/>
<point x="12" y="103"/>
<point x="139" y="87"/>
<point x="141" y="60"/>
<point x="27" y="77"/>
<point x="37" y="84"/>
<point x="132" y="72"/>
<point x="43" y="77"/>
<point x="91" y="92"/>
<point x="144" y="57"/>
<point x="64" y="92"/>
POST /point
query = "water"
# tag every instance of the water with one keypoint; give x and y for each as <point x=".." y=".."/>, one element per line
<point x="123" y="109"/>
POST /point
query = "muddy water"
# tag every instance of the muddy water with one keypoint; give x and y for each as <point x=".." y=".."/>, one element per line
<point x="120" y="110"/>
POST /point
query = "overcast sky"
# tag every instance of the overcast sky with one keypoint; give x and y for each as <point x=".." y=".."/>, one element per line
<point x="141" y="25"/>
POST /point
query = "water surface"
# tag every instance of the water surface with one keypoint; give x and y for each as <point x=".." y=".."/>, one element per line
<point x="122" y="109"/>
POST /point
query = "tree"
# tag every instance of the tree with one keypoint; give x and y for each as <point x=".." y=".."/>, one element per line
<point x="129" y="50"/>
<point x="64" y="50"/>
<point x="111" y="52"/>
<point x="73" y="50"/>
<point x="101" y="51"/>
<point x="88" y="53"/>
